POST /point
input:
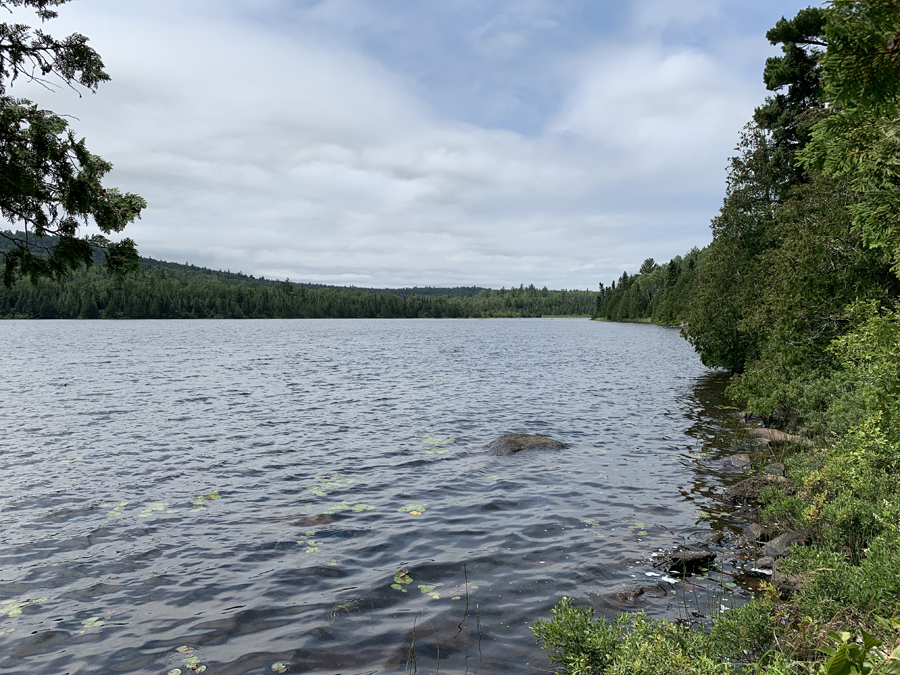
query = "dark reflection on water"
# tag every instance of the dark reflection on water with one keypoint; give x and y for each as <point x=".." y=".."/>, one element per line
<point x="326" y="442"/>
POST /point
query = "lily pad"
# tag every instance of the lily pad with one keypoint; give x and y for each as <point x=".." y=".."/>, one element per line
<point x="326" y="484"/>
<point x="151" y="508"/>
<point x="401" y="579"/>
<point x="209" y="496"/>
<point x="279" y="668"/>
<point x="435" y="445"/>
<point x="412" y="509"/>
<point x="13" y="608"/>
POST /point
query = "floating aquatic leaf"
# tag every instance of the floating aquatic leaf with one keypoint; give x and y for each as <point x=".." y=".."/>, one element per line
<point x="332" y="562"/>
<point x="591" y="522"/>
<point x="192" y="662"/>
<point x="436" y="446"/>
<point x="13" y="608"/>
<point x="174" y="671"/>
<point x="401" y="578"/>
<point x="150" y="508"/>
<point x="642" y="533"/>
<point x="426" y="589"/>
<point x="456" y="597"/>
<point x="347" y="506"/>
<point x="93" y="622"/>
<point x="325" y="484"/>
<point x="209" y="496"/>
<point x="279" y="668"/>
<point x="337" y="508"/>
<point x="412" y="509"/>
<point x="184" y="649"/>
<point x="487" y="476"/>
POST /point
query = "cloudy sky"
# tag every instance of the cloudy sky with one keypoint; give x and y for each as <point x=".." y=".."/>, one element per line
<point x="401" y="142"/>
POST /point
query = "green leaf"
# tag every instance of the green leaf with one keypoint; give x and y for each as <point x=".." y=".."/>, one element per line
<point x="839" y="664"/>
<point x="870" y="641"/>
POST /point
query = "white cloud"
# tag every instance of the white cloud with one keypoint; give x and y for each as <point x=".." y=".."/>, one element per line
<point x="656" y="110"/>
<point x="658" y="14"/>
<point x="309" y="160"/>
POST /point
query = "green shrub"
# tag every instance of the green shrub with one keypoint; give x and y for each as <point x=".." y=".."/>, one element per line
<point x="577" y="644"/>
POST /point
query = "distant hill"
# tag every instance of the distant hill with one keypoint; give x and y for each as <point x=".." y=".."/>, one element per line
<point x="169" y="290"/>
<point x="238" y="277"/>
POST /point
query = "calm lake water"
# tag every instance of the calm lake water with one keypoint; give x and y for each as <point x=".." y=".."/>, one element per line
<point x="314" y="496"/>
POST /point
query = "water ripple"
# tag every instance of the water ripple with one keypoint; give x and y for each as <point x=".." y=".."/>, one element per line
<point x="248" y="491"/>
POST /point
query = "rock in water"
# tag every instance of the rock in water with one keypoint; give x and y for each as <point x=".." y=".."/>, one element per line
<point x="757" y="532"/>
<point x="739" y="462"/>
<point x="686" y="562"/>
<point x="780" y="546"/>
<point x="510" y="444"/>
<point x="747" y="491"/>
<point x="776" y="469"/>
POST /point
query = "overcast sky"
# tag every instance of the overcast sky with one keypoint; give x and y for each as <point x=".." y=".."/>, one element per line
<point x="402" y="142"/>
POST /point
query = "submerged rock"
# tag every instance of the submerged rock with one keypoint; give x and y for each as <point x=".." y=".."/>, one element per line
<point x="774" y="469"/>
<point x="739" y="462"/>
<point x="757" y="532"/>
<point x="786" y="584"/>
<point x="629" y="593"/>
<point x="764" y="567"/>
<point x="780" y="546"/>
<point x="747" y="491"/>
<point x="686" y="562"/>
<point x="767" y="436"/>
<point x="510" y="444"/>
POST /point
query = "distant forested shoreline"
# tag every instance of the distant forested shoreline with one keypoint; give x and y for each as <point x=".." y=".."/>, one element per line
<point x="164" y="290"/>
<point x="658" y="293"/>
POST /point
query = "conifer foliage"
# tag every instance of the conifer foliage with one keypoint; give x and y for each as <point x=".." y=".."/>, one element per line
<point x="50" y="183"/>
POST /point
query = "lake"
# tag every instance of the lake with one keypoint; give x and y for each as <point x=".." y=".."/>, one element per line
<point x="315" y="496"/>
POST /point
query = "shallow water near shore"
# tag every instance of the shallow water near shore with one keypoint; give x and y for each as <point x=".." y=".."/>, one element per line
<point x="314" y="496"/>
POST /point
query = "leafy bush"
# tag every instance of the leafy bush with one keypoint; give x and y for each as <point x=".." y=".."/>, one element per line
<point x="635" y="644"/>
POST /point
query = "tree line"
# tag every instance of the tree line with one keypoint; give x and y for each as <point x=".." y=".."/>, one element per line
<point x="160" y="290"/>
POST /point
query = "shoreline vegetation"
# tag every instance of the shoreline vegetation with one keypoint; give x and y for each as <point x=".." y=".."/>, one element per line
<point x="164" y="290"/>
<point x="796" y="297"/>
